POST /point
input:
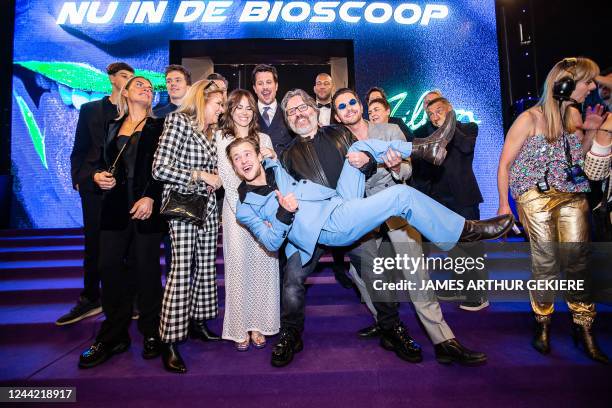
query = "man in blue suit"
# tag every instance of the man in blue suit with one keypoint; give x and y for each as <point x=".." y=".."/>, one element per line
<point x="275" y="207"/>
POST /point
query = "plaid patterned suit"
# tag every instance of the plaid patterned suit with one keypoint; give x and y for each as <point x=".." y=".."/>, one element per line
<point x="188" y="296"/>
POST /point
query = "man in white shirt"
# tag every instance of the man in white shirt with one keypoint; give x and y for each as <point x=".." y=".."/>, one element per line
<point x="324" y="89"/>
<point x="271" y="121"/>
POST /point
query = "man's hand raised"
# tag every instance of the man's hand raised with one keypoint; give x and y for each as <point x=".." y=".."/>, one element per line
<point x="288" y="202"/>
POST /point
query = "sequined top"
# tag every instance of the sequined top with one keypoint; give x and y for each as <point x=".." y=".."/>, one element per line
<point x="537" y="155"/>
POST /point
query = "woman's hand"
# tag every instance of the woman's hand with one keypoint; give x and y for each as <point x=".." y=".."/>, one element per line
<point x="266" y="152"/>
<point x="594" y="118"/>
<point x="142" y="209"/>
<point x="213" y="180"/>
<point x="504" y="209"/>
<point x="105" y="180"/>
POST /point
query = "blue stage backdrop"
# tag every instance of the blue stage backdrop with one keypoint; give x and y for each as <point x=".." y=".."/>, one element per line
<point x="62" y="48"/>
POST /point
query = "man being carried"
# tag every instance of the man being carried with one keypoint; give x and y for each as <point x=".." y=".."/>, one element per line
<point x="270" y="199"/>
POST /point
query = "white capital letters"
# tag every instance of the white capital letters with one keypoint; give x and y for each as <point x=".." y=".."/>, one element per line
<point x="185" y="15"/>
<point x="151" y="12"/>
<point x="304" y="13"/>
<point x="92" y="13"/>
<point x="434" y="11"/>
<point x="344" y="15"/>
<point x="324" y="12"/>
<point x="371" y="18"/>
<point x="70" y="12"/>
<point x="215" y="10"/>
<point x="255" y="11"/>
<point x="399" y="13"/>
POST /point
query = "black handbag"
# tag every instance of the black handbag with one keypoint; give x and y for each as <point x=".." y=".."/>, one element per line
<point x="189" y="207"/>
<point x="602" y="227"/>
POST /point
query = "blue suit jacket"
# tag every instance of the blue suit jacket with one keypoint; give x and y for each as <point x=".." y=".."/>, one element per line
<point x="316" y="203"/>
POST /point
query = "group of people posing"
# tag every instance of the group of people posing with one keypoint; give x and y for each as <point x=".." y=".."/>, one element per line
<point x="294" y="186"/>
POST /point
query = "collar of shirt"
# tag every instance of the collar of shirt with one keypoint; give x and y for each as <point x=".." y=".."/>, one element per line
<point x="272" y="110"/>
<point x="244" y="188"/>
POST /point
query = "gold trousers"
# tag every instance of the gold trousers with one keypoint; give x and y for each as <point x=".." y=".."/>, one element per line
<point x="558" y="228"/>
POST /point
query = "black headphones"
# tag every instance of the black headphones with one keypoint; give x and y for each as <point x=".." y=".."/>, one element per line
<point x="563" y="88"/>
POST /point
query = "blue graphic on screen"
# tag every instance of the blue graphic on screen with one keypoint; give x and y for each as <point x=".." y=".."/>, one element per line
<point x="407" y="48"/>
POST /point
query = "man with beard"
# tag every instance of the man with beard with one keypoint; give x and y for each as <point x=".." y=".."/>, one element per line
<point x="271" y="122"/>
<point x="318" y="155"/>
<point x="405" y="240"/>
<point x="86" y="152"/>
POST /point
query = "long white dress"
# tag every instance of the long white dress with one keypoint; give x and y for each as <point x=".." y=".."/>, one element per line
<point x="252" y="294"/>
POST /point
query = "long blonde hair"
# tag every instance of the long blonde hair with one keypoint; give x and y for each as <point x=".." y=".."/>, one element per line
<point x="580" y="69"/>
<point x="122" y="106"/>
<point x="195" y="101"/>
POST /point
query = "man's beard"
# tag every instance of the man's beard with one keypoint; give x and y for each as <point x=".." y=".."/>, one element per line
<point x="354" y="121"/>
<point x="304" y="130"/>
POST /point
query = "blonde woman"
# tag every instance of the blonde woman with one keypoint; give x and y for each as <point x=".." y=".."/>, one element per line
<point x="186" y="162"/>
<point x="131" y="228"/>
<point x="252" y="299"/>
<point x="542" y="145"/>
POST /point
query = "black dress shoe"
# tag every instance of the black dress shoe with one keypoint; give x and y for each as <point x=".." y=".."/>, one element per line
<point x="100" y="352"/>
<point x="172" y="359"/>
<point x="585" y="339"/>
<point x="541" y="337"/>
<point x="199" y="330"/>
<point x="492" y="228"/>
<point x="452" y="351"/>
<point x="370" y="332"/>
<point x="433" y="147"/>
<point x="404" y="346"/>
<point x="151" y="348"/>
<point x="290" y="342"/>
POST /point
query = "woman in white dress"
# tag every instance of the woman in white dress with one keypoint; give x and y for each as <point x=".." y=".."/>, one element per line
<point x="252" y="296"/>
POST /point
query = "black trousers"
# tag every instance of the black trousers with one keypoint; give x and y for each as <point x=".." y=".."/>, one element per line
<point x="128" y="256"/>
<point x="92" y="208"/>
<point x="294" y="292"/>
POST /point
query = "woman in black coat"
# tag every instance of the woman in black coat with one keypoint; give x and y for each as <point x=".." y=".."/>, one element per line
<point x="131" y="227"/>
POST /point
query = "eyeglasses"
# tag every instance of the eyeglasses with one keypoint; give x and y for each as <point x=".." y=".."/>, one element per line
<point x="301" y="108"/>
<point x="342" y="106"/>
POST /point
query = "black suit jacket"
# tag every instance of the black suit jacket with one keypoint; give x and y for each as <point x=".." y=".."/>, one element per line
<point x="280" y="135"/>
<point x="456" y="170"/>
<point x="88" y="141"/>
<point x="115" y="202"/>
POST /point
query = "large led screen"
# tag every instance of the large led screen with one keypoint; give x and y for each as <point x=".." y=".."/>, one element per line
<point x="62" y="48"/>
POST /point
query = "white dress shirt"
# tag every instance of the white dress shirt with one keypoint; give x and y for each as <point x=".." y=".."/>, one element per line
<point x="271" y="111"/>
<point x="324" y="116"/>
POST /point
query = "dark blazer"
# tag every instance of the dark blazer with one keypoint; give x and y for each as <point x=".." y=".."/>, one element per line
<point x="280" y="135"/>
<point x="456" y="170"/>
<point x="88" y="141"/>
<point x="115" y="204"/>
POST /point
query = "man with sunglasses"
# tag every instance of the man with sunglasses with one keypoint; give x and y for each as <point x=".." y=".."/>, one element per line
<point x="318" y="155"/>
<point x="405" y="240"/>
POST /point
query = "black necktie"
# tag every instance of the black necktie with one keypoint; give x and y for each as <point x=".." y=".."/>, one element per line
<point x="324" y="105"/>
